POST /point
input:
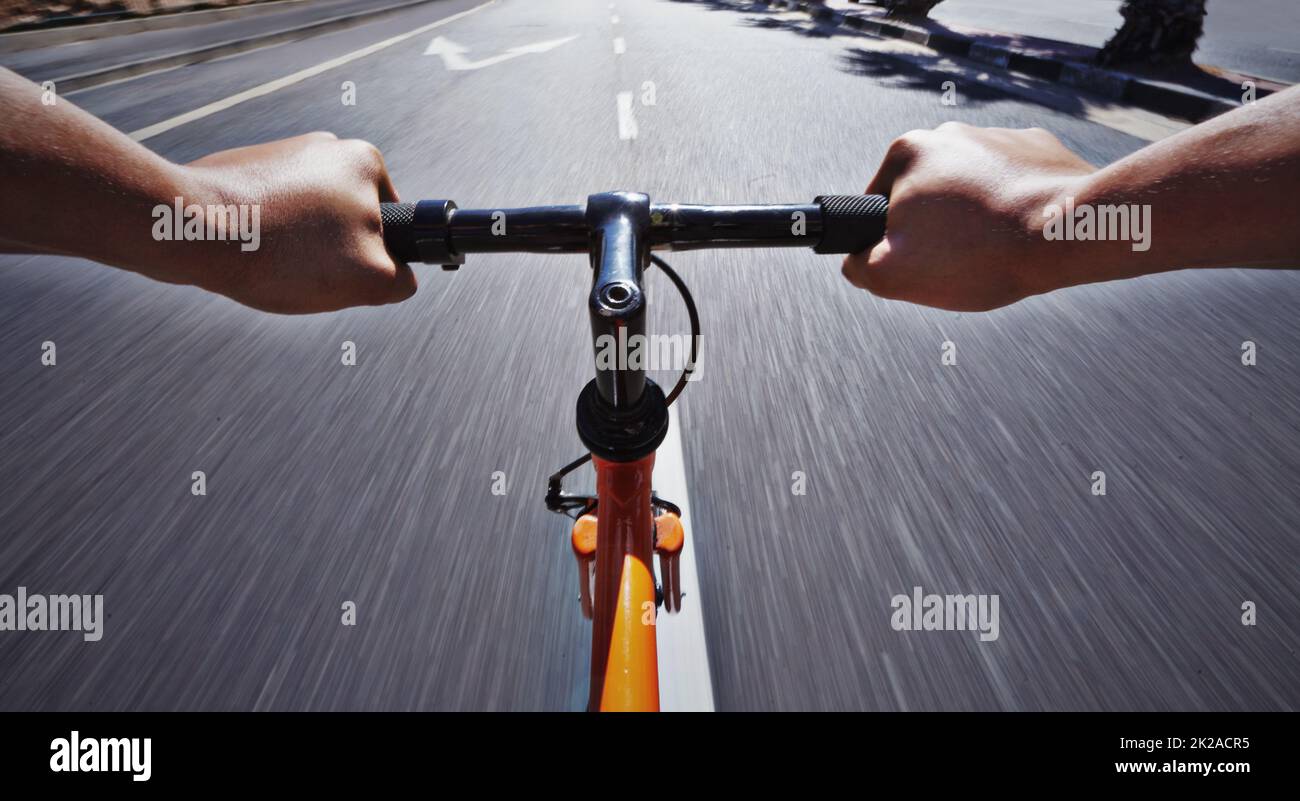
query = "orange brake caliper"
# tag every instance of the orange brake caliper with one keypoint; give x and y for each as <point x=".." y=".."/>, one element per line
<point x="670" y="536"/>
<point x="584" y="548"/>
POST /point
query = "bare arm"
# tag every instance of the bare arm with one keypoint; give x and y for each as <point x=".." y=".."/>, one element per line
<point x="970" y="208"/>
<point x="74" y="185"/>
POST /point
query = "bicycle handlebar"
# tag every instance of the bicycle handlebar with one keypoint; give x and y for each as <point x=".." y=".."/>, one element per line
<point x="618" y="230"/>
<point x="437" y="232"/>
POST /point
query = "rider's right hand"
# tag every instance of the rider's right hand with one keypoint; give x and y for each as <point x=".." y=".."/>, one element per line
<point x="965" y="216"/>
<point x="968" y="206"/>
<point x="320" y="246"/>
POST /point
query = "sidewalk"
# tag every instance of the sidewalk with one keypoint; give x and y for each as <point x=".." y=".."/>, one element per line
<point x="1262" y="39"/>
<point x="1191" y="93"/>
<point x="104" y="55"/>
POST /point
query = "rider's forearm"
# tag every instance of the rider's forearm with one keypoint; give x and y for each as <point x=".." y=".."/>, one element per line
<point x="75" y="185"/>
<point x="1219" y="194"/>
<point x="290" y="226"/>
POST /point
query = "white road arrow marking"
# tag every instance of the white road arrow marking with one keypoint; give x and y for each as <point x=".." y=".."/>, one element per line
<point x="453" y="55"/>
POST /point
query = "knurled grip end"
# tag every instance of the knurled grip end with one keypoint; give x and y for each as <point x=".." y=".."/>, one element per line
<point x="851" y="223"/>
<point x="420" y="233"/>
<point x="399" y="230"/>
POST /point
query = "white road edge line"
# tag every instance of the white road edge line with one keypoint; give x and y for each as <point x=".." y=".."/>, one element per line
<point x="685" y="683"/>
<point x="620" y="46"/>
<point x="297" y="77"/>
<point x="626" y="120"/>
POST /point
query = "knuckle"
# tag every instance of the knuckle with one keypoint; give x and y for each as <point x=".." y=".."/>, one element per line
<point x="366" y="154"/>
<point x="904" y="147"/>
<point x="395" y="290"/>
<point x="406" y="284"/>
<point x="852" y="271"/>
<point x="385" y="281"/>
<point x="864" y="276"/>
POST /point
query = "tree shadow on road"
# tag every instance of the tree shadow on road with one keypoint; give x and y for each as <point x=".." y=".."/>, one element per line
<point x="776" y="19"/>
<point x="772" y="18"/>
<point x="1214" y="82"/>
<point x="752" y="7"/>
<point x="929" y="72"/>
<point x="916" y="70"/>
<point x="818" y="30"/>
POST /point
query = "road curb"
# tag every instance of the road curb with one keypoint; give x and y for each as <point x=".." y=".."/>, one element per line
<point x="1162" y="98"/>
<point x="117" y="72"/>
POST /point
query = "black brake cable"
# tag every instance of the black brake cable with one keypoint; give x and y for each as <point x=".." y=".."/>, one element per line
<point x="695" y="325"/>
<point x="556" y="499"/>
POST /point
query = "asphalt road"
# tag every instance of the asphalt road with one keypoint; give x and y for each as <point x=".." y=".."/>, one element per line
<point x="372" y="483"/>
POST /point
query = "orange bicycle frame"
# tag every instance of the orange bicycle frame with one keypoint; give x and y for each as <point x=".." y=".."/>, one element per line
<point x="624" y="660"/>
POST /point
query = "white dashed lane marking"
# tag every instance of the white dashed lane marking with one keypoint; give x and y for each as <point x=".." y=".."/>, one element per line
<point x="626" y="118"/>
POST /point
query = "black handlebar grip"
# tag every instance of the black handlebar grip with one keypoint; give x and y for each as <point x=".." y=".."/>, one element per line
<point x="399" y="230"/>
<point x="851" y="223"/>
<point x="420" y="232"/>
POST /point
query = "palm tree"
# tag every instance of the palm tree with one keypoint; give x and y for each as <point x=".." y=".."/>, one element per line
<point x="1155" y="32"/>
